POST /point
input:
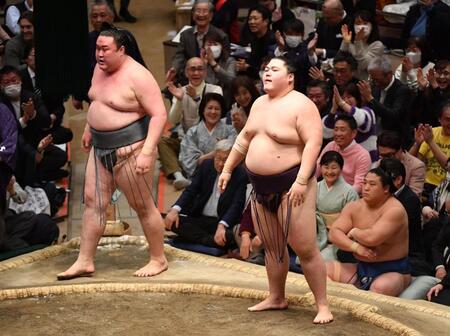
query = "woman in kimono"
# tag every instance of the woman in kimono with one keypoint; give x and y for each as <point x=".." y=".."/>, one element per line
<point x="333" y="193"/>
<point x="198" y="144"/>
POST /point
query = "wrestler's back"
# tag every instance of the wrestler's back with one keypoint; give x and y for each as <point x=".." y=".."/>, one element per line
<point x="275" y="145"/>
<point x="113" y="101"/>
<point x="395" y="247"/>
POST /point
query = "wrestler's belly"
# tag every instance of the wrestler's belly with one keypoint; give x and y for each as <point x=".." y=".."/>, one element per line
<point x="267" y="157"/>
<point x="104" y="118"/>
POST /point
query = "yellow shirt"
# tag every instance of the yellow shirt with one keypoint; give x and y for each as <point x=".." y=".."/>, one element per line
<point x="435" y="174"/>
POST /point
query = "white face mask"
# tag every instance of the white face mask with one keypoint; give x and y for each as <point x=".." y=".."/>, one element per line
<point x="367" y="29"/>
<point x="293" y="41"/>
<point x="216" y="50"/>
<point x="414" y="57"/>
<point x="13" y="90"/>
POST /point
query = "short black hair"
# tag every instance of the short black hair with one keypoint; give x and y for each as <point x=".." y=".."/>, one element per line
<point x="27" y="15"/>
<point x="207" y="97"/>
<point x="394" y="168"/>
<point x="295" y="25"/>
<point x="119" y="35"/>
<point x="290" y="66"/>
<point x="332" y="156"/>
<point x="265" y="13"/>
<point x="349" y="120"/>
<point x="391" y="139"/>
<point x="7" y="69"/>
<point x="344" y="56"/>
<point x="386" y="179"/>
<point x="353" y="91"/>
<point x="321" y="84"/>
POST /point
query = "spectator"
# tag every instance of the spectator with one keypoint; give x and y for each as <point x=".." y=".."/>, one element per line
<point x="123" y="12"/>
<point x="344" y="69"/>
<point x="250" y="245"/>
<point x="245" y="93"/>
<point x="184" y="113"/>
<point x="262" y="41"/>
<point x="435" y="173"/>
<point x="388" y="97"/>
<point x="226" y="18"/>
<point x="377" y="222"/>
<point x="8" y="146"/>
<point x="333" y="193"/>
<point x="53" y="103"/>
<point x="33" y="119"/>
<point x="433" y="90"/>
<point x="329" y="28"/>
<point x="413" y="207"/>
<point x="220" y="67"/>
<point x="389" y="144"/>
<point x="15" y="48"/>
<point x="362" y="42"/>
<point x="356" y="158"/>
<point x="301" y="54"/>
<point x="13" y="13"/>
<point x="441" y="253"/>
<point x="430" y="19"/>
<point x="351" y="103"/>
<point x="191" y="40"/>
<point x="435" y="214"/>
<point x="200" y="140"/>
<point x="101" y="15"/>
<point x="319" y="92"/>
<point x="204" y="216"/>
<point x="279" y="14"/>
<point x="416" y="57"/>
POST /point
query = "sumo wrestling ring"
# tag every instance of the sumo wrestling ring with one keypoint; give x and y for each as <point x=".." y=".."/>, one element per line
<point x="198" y="295"/>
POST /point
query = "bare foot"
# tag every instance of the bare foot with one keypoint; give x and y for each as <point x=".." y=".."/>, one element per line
<point x="269" y="304"/>
<point x="152" y="268"/>
<point x="323" y="316"/>
<point x="78" y="269"/>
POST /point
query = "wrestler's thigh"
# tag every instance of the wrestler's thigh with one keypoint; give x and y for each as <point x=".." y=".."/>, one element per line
<point x="98" y="181"/>
<point x="137" y="188"/>
<point x="303" y="227"/>
<point x="391" y="283"/>
<point x="264" y="222"/>
<point x="341" y="272"/>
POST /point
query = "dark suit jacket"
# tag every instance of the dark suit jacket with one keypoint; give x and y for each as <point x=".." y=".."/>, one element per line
<point x="231" y="202"/>
<point x="330" y="37"/>
<point x="394" y="112"/>
<point x="189" y="47"/>
<point x="413" y="207"/>
<point x="33" y="133"/>
<point x="437" y="29"/>
<point x="440" y="256"/>
<point x="54" y="103"/>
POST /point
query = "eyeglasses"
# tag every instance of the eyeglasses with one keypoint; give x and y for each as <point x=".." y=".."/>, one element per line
<point x="194" y="69"/>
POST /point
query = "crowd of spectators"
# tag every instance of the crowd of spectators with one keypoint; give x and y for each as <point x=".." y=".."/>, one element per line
<point x="382" y="116"/>
<point x="381" y="123"/>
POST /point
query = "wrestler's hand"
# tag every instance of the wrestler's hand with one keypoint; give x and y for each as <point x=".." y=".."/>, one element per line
<point x="144" y="162"/>
<point x="365" y="252"/>
<point x="86" y="140"/>
<point x="172" y="217"/>
<point x="224" y="178"/>
<point x="434" y="290"/>
<point x="219" y="237"/>
<point x="246" y="246"/>
<point x="297" y="194"/>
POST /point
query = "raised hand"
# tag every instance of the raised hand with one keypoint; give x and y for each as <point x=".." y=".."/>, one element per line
<point x="346" y="34"/>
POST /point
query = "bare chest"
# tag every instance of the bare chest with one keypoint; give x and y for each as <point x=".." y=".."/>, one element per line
<point x="278" y="121"/>
<point x="114" y="92"/>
